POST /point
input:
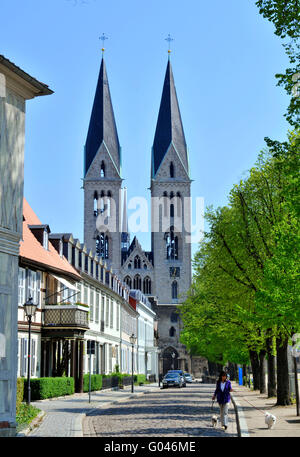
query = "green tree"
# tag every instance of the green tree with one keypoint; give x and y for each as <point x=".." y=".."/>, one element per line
<point x="285" y="15"/>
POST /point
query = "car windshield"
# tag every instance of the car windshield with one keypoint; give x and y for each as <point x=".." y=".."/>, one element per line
<point x="172" y="375"/>
<point x="187" y="374"/>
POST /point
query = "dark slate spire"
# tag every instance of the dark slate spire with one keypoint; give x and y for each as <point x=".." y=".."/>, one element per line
<point x="102" y="124"/>
<point x="169" y="126"/>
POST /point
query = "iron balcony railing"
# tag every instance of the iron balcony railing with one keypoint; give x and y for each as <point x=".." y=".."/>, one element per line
<point x="66" y="316"/>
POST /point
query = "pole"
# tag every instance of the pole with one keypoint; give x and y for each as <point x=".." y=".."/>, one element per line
<point x="29" y="367"/>
<point x="132" y="388"/>
<point x="158" y="356"/>
<point x="90" y="378"/>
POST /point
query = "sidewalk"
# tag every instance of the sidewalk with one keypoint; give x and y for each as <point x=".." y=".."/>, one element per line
<point x="62" y="416"/>
<point x="251" y="407"/>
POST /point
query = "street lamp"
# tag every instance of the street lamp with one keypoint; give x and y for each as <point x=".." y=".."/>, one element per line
<point x="30" y="310"/>
<point x="132" y="342"/>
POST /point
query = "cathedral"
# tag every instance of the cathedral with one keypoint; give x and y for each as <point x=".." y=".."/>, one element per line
<point x="164" y="273"/>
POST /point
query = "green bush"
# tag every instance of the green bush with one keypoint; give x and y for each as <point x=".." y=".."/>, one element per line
<point x="42" y="388"/>
<point x="139" y="378"/>
<point x="25" y="414"/>
<point x="20" y="393"/>
<point x="96" y="382"/>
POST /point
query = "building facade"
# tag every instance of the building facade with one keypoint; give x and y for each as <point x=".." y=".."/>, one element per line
<point x="80" y="300"/>
<point x="16" y="86"/>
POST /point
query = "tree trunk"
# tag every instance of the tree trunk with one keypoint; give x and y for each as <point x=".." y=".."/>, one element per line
<point x="271" y="369"/>
<point x="296" y="382"/>
<point x="283" y="386"/>
<point x="262" y="372"/>
<point x="255" y="369"/>
<point x="244" y="374"/>
<point x="236" y="375"/>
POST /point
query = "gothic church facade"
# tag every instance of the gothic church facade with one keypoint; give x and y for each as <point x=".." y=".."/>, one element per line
<point x="164" y="273"/>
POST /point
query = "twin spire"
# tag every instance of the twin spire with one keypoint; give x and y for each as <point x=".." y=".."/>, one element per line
<point x="102" y="127"/>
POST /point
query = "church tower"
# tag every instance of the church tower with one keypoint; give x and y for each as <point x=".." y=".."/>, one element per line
<point x="170" y="224"/>
<point x="102" y="178"/>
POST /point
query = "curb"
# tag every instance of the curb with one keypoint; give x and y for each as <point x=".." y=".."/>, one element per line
<point x="241" y="423"/>
<point x="35" y="423"/>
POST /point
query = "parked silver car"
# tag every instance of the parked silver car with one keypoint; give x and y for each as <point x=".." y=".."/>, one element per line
<point x="188" y="377"/>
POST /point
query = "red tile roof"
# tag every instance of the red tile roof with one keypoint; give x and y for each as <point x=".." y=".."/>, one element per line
<point x="31" y="249"/>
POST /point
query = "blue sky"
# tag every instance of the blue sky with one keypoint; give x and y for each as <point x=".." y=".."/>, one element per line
<point x="224" y="58"/>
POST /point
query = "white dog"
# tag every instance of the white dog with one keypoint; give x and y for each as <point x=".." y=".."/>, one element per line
<point x="214" y="420"/>
<point x="270" y="420"/>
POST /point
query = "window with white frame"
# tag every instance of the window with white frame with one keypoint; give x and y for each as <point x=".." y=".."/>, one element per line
<point x="118" y="316"/>
<point x="111" y="314"/>
<point x="102" y="312"/>
<point x="45" y="240"/>
<point x="107" y="312"/>
<point x="33" y="285"/>
<point x="97" y="307"/>
<point x="23" y="357"/>
<point x="67" y="294"/>
<point x="85" y="295"/>
<point x="22" y="287"/>
<point x="92" y="305"/>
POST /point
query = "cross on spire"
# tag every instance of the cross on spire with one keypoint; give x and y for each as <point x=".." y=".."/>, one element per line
<point x="169" y="39"/>
<point x="103" y="37"/>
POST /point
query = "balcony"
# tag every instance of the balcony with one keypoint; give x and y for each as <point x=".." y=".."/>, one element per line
<point x="66" y="316"/>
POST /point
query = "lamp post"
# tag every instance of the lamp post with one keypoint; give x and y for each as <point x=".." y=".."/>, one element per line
<point x="132" y="342"/>
<point x="30" y="310"/>
<point x="158" y="360"/>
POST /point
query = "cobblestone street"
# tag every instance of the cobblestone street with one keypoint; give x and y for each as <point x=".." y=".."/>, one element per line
<point x="167" y="412"/>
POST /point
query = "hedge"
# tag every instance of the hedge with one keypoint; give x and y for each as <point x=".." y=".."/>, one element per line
<point x="42" y="388"/>
<point x="96" y="382"/>
<point x="139" y="378"/>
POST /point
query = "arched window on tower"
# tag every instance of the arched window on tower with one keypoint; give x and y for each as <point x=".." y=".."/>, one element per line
<point x="95" y="203"/>
<point x="127" y="281"/>
<point x="171" y="210"/>
<point x="147" y="285"/>
<point x="165" y="203"/>
<point x="179" y="203"/>
<point x="102" y="246"/>
<point x="171" y="244"/>
<point x="174" y="290"/>
<point x="137" y="282"/>
<point x="102" y="195"/>
<point x="108" y="203"/>
<point x="137" y="262"/>
<point x="102" y="170"/>
<point x="172" y="170"/>
<point x="172" y="332"/>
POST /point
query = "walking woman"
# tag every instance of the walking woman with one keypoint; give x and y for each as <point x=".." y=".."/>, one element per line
<point x="222" y="392"/>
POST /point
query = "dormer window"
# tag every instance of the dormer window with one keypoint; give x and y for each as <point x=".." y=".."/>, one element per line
<point x="60" y="248"/>
<point x="45" y="240"/>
